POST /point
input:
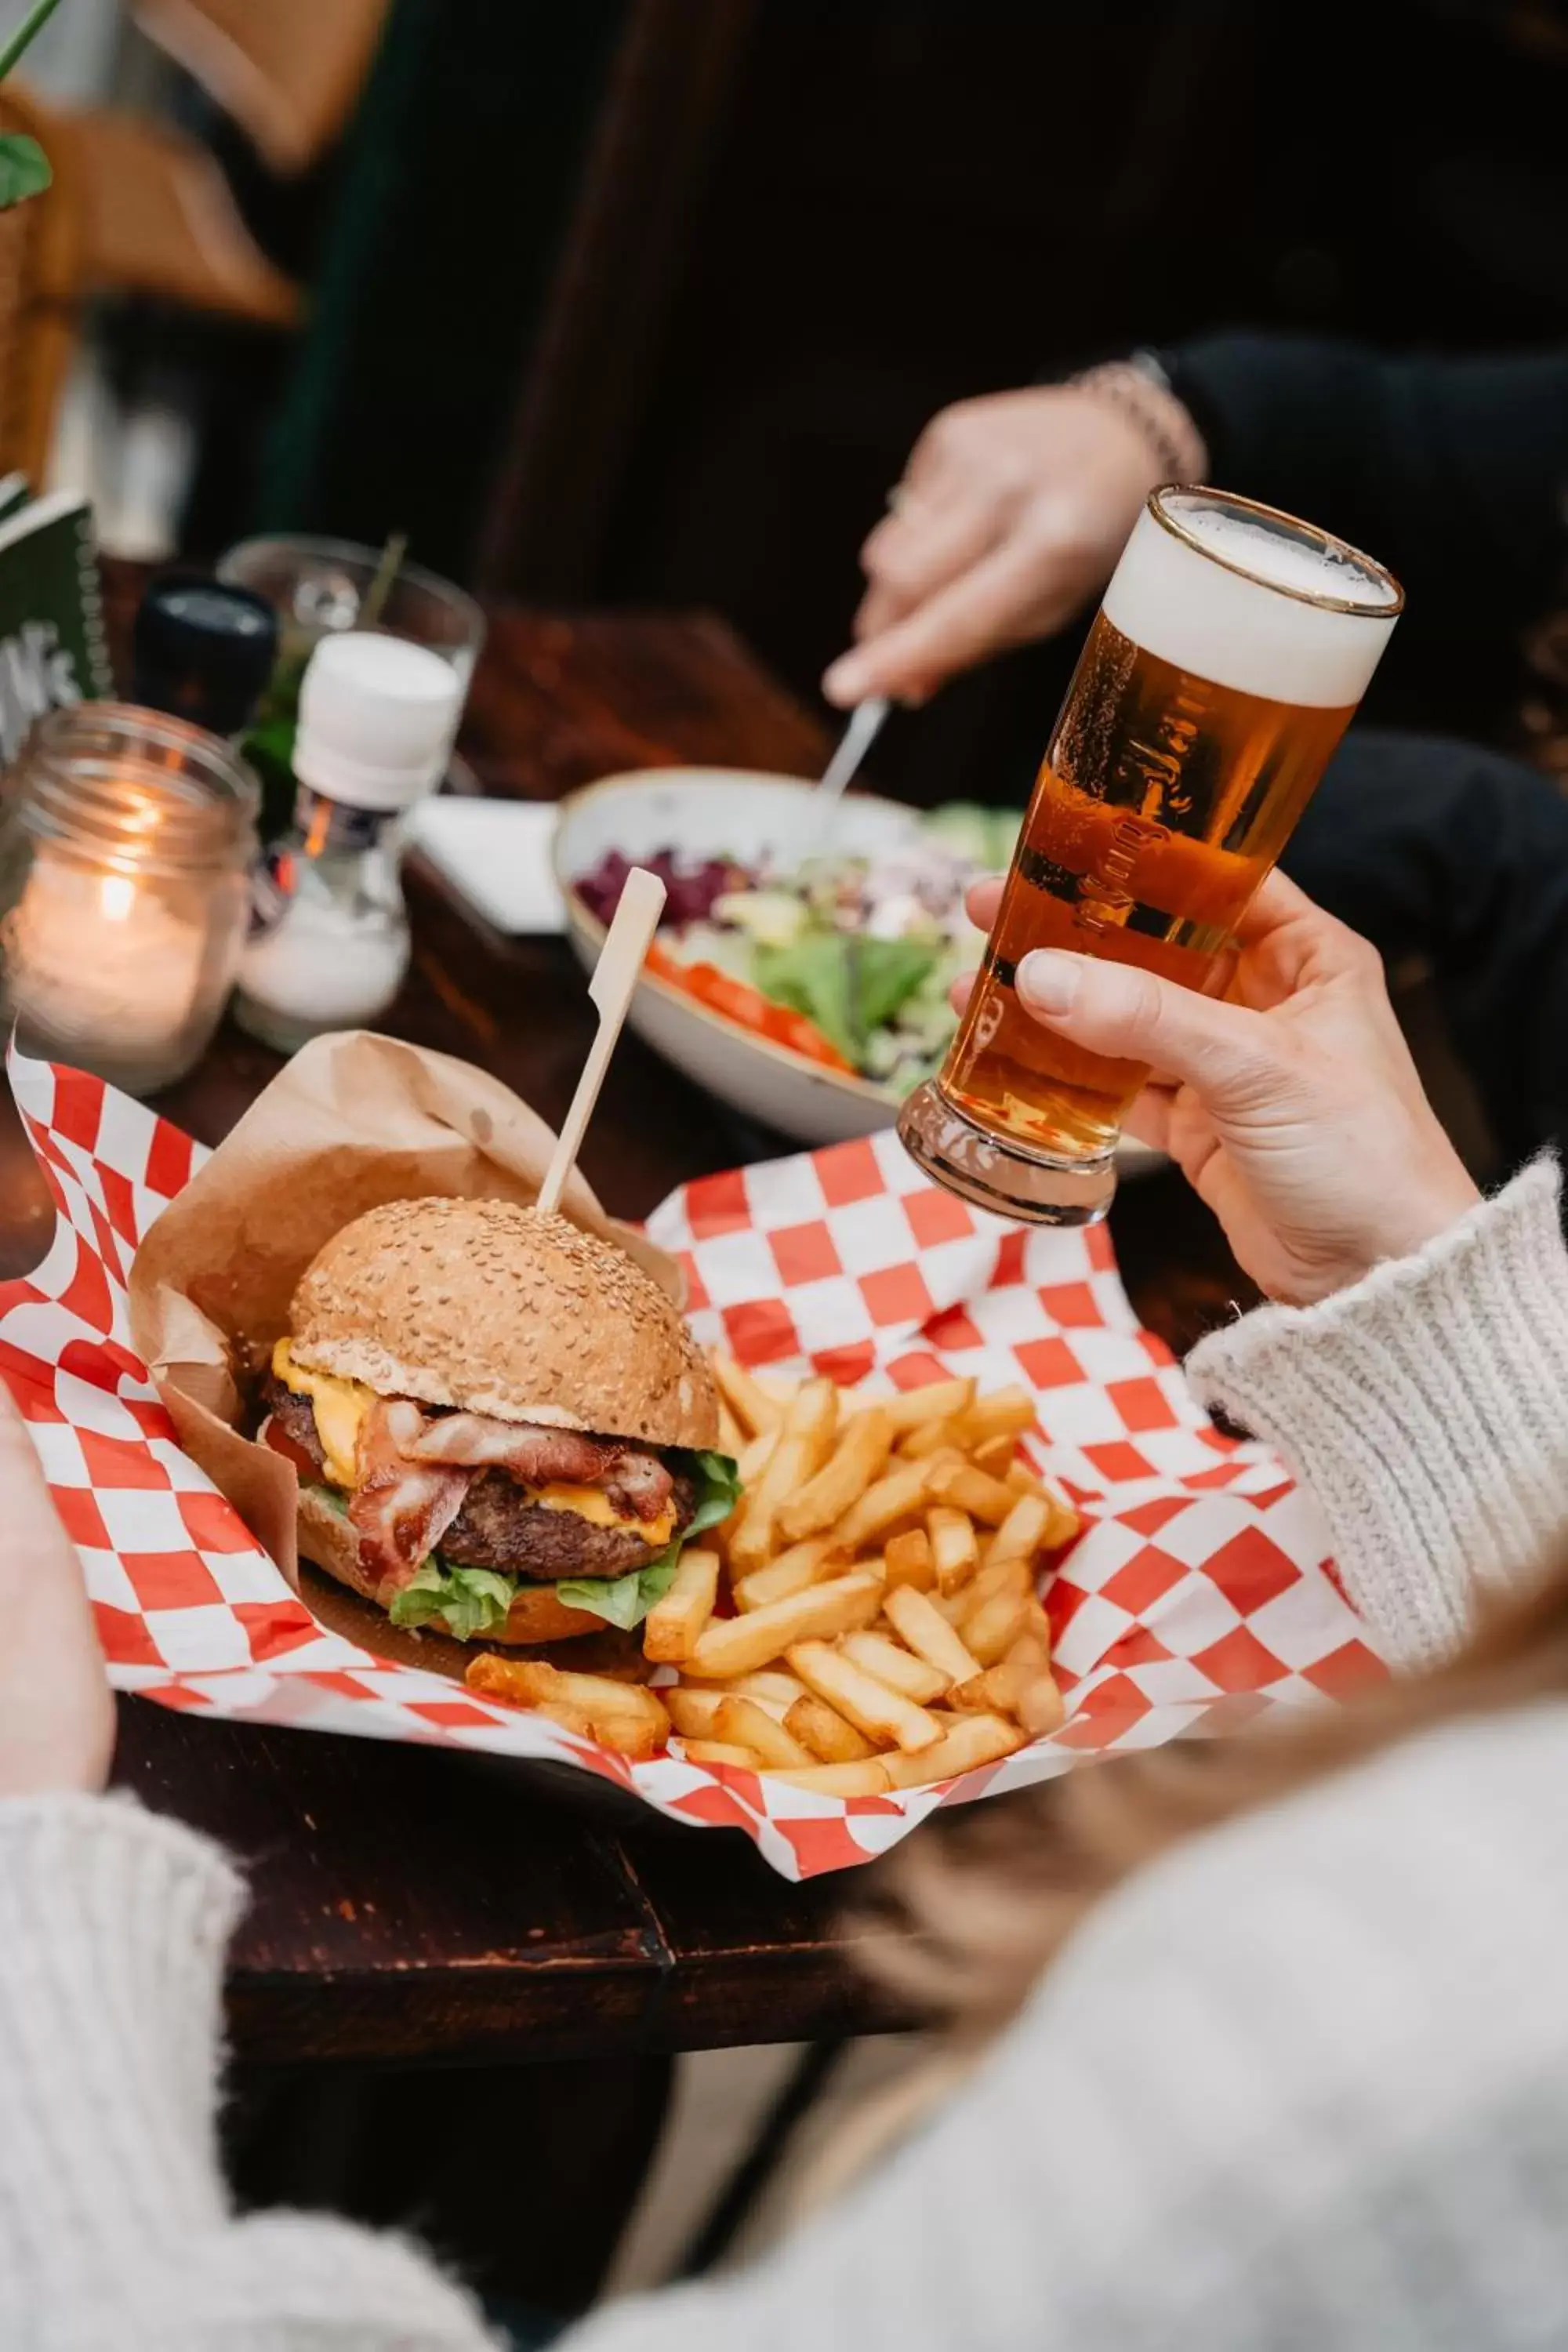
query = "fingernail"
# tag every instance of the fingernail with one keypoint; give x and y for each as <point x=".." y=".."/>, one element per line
<point x="1049" y="982"/>
<point x="845" y="682"/>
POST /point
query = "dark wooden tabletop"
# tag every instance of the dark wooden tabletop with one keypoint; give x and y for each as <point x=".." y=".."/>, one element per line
<point x="411" y="1903"/>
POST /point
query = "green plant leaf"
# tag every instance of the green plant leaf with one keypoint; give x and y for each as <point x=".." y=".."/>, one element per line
<point x="24" y="169"/>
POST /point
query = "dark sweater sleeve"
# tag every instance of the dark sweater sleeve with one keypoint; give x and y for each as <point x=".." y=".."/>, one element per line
<point x="1451" y="471"/>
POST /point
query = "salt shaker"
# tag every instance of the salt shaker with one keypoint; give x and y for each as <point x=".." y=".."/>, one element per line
<point x="377" y="715"/>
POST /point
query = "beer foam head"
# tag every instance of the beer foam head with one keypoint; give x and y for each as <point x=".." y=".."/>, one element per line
<point x="1225" y="596"/>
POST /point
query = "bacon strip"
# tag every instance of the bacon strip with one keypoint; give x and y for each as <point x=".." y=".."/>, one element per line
<point x="630" y="1474"/>
<point x="402" y="1508"/>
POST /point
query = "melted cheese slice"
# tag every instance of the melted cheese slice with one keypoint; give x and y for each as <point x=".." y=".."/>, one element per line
<point x="341" y="1405"/>
<point x="590" y="1503"/>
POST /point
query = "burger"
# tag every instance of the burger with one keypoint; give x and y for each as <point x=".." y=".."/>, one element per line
<point x="502" y="1427"/>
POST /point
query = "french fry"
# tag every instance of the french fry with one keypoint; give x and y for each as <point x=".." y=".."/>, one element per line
<point x="738" y="1646"/>
<point x="1020" y="1685"/>
<point x="747" y="1399"/>
<point x="1066" y="1520"/>
<point x="1024" y="1530"/>
<point x="994" y="1456"/>
<point x="857" y="1461"/>
<point x="622" y="1716"/>
<point x="899" y="1668"/>
<point x="910" y="1408"/>
<point x="1040" y="1706"/>
<point x="933" y="1401"/>
<point x="742" y="1721"/>
<point x="924" y="1629"/>
<point x="751" y="1464"/>
<point x="977" y="1739"/>
<point x="1021" y="1479"/>
<point x="968" y="1489"/>
<point x="891" y="1498"/>
<point x="1005" y="1412"/>
<point x="804" y="1442"/>
<point x="1012" y="1576"/>
<point x="672" y="1625"/>
<point x="883" y="1714"/>
<point x="822" y="1729"/>
<point x="990" y="1631"/>
<point x="694" y="1713"/>
<point x="954" y="1547"/>
<point x="721" y="1752"/>
<point x="906" y="1559"/>
<point x="931" y="1437"/>
<point x="867" y="1780"/>
<point x="731" y="1436"/>
<point x="770" y="1687"/>
<point x="792" y="1571"/>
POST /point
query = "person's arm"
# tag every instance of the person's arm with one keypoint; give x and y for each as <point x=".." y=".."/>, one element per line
<point x="1426" y="1409"/>
<point x="1415" y="1370"/>
<point x="115" y="2227"/>
<point x="1451" y="471"/>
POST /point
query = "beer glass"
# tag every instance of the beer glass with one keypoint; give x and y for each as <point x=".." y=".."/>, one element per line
<point x="1233" y="646"/>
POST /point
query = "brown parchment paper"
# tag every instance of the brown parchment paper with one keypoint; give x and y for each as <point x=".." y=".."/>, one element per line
<point x="353" y="1120"/>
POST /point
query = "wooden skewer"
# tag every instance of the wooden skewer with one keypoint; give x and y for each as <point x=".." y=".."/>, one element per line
<point x="615" y="975"/>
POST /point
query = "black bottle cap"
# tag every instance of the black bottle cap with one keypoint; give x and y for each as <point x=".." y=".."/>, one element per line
<point x="202" y="651"/>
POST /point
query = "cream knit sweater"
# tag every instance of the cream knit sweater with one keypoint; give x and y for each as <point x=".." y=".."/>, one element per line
<point x="1300" y="2087"/>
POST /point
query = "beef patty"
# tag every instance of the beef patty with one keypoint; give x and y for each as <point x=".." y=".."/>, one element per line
<point x="498" y="1526"/>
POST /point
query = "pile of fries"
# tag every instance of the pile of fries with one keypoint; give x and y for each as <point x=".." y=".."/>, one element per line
<point x="882" y="1629"/>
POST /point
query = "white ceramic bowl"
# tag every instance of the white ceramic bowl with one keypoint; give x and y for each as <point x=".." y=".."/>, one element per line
<point x="732" y="812"/>
<point x="725" y="812"/>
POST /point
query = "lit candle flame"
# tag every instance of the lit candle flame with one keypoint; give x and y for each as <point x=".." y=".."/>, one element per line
<point x="116" y="897"/>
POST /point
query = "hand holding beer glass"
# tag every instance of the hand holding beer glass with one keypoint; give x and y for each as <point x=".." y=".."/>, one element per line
<point x="1228" y="657"/>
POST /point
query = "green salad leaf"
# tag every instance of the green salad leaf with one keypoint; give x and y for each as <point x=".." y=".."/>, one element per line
<point x="718" y="1490"/>
<point x="471" y="1599"/>
<point x="848" y="984"/>
<point x="622" y="1600"/>
<point x="812" y="976"/>
<point x="887" y="973"/>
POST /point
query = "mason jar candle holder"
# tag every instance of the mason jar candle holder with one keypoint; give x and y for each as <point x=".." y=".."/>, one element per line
<point x="126" y="843"/>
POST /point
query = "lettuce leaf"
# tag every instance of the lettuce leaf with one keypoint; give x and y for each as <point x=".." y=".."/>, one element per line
<point x="471" y="1599"/>
<point x="622" y="1600"/>
<point x="625" y="1599"/>
<point x="718" y="1479"/>
<point x="849" y="984"/>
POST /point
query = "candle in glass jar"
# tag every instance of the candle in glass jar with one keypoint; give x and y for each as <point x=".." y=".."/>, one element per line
<point x="102" y="966"/>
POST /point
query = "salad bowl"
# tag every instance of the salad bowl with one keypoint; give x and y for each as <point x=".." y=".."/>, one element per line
<point x="771" y="826"/>
<point x="758" y="821"/>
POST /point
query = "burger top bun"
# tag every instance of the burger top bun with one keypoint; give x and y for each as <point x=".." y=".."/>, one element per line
<point x="507" y="1311"/>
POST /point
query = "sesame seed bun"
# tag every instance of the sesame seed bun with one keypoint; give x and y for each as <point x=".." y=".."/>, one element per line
<point x="506" y="1311"/>
<point x="536" y="1615"/>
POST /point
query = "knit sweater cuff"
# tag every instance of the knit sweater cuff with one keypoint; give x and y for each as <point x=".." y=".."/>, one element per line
<point x="113" y="1924"/>
<point x="1427" y="1408"/>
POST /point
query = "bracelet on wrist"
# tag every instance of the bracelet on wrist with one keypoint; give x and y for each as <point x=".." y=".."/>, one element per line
<point x="1138" y="388"/>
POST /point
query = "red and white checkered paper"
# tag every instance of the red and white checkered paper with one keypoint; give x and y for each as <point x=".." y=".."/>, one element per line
<point x="1198" y="1592"/>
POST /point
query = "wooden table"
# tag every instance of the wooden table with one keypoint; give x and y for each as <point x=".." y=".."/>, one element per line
<point x="412" y="1905"/>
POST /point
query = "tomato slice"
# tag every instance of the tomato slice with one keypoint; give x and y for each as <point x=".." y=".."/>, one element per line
<point x="737" y="1000"/>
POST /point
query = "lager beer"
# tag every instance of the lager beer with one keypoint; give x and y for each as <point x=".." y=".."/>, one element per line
<point x="1231" y="650"/>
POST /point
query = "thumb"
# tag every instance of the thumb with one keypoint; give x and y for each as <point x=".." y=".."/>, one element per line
<point x="1216" y="1048"/>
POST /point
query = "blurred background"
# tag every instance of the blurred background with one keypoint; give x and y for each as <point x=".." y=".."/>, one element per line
<point x="643" y="302"/>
